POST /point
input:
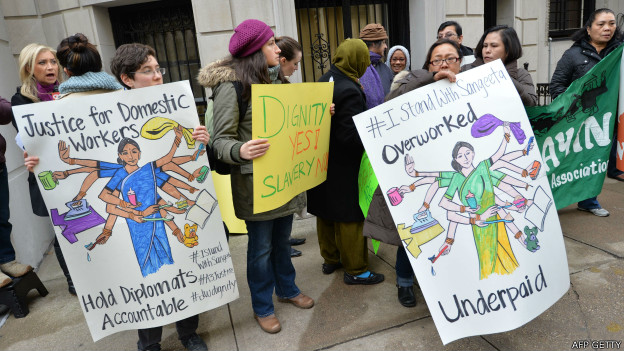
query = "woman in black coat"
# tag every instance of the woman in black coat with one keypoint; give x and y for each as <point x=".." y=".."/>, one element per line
<point x="599" y="37"/>
<point x="335" y="201"/>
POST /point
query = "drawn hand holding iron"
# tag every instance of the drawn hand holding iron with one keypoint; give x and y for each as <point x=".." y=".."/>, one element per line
<point x="479" y="206"/>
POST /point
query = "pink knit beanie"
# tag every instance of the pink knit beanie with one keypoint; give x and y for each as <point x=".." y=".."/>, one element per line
<point x="249" y="37"/>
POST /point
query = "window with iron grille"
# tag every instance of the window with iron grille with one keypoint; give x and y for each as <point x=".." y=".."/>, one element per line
<point x="567" y="16"/>
<point x="323" y="24"/>
<point x="169" y="28"/>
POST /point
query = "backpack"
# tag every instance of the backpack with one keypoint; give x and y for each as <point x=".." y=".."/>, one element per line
<point x="216" y="164"/>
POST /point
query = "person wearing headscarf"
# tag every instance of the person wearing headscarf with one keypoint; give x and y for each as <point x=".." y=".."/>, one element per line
<point x="340" y="221"/>
<point x="378" y="77"/>
<point x="399" y="62"/>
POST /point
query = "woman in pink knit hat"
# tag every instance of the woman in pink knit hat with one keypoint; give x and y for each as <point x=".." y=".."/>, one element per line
<point x="254" y="60"/>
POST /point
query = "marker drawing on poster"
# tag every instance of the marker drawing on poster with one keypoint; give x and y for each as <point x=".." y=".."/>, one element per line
<point x="295" y="119"/>
<point x="133" y="205"/>
<point x="464" y="184"/>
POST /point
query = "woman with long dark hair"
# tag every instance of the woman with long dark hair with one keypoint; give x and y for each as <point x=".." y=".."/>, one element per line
<point x="254" y="60"/>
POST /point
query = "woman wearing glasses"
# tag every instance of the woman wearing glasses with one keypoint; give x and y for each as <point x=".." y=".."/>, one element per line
<point x="501" y="42"/>
<point x="443" y="61"/>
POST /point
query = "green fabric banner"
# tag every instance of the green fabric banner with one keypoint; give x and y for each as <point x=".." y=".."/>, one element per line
<point x="574" y="133"/>
<point x="367" y="183"/>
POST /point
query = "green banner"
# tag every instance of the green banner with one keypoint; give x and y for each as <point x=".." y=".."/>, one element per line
<point x="367" y="183"/>
<point x="574" y="133"/>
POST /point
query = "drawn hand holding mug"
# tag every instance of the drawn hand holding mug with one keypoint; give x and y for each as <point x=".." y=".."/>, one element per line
<point x="47" y="180"/>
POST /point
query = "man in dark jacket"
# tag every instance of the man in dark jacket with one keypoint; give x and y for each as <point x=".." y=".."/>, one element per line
<point x="453" y="31"/>
<point x="8" y="265"/>
<point x="339" y="221"/>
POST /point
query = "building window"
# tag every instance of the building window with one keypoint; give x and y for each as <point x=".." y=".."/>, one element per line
<point x="567" y="16"/>
<point x="169" y="28"/>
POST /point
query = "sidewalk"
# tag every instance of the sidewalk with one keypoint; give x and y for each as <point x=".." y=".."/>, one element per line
<point x="365" y="317"/>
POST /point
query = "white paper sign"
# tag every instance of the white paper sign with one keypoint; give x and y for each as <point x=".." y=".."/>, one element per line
<point x="121" y="162"/>
<point x="472" y="207"/>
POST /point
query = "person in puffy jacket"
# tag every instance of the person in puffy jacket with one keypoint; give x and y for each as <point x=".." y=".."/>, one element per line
<point x="599" y="37"/>
<point x="254" y="60"/>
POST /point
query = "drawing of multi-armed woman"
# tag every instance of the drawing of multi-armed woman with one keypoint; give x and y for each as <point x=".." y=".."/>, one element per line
<point x="138" y="186"/>
<point x="169" y="184"/>
<point x="479" y="206"/>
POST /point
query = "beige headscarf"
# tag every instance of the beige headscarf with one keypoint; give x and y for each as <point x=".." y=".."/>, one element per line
<point x="352" y="58"/>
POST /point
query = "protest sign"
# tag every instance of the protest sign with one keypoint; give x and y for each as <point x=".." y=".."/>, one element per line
<point x="472" y="207"/>
<point x="295" y="119"/>
<point x="575" y="132"/>
<point x="158" y="253"/>
<point x="223" y="187"/>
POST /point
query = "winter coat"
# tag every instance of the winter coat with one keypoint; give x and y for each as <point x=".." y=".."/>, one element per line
<point x="520" y="77"/>
<point x="378" y="224"/>
<point x="414" y="80"/>
<point x="336" y="199"/>
<point x="575" y="62"/>
<point x="227" y="138"/>
<point x="466" y="51"/>
<point x="5" y="118"/>
<point x="36" y="200"/>
<point x="385" y="74"/>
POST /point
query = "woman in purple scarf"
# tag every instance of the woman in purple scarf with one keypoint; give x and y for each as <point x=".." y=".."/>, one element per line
<point x="378" y="77"/>
<point x="39" y="72"/>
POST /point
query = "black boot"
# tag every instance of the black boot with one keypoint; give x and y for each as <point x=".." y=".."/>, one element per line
<point x="61" y="260"/>
<point x="406" y="296"/>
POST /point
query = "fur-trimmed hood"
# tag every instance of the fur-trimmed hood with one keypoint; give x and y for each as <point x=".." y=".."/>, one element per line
<point x="214" y="73"/>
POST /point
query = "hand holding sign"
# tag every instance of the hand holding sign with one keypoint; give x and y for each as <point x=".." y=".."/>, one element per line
<point x="254" y="149"/>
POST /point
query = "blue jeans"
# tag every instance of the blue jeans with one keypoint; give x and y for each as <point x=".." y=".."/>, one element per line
<point x="7" y="254"/>
<point x="589" y="204"/>
<point x="403" y="267"/>
<point x="269" y="266"/>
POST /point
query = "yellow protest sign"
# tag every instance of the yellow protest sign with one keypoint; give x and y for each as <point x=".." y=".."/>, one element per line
<point x="223" y="188"/>
<point x="295" y="119"/>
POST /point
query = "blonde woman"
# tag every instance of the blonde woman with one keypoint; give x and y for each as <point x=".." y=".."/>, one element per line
<point x="40" y="73"/>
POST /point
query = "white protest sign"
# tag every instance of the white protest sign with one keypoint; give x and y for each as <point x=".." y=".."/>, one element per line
<point x="133" y="205"/>
<point x="473" y="210"/>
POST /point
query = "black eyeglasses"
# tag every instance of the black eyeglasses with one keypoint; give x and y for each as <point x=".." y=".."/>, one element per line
<point x="450" y="61"/>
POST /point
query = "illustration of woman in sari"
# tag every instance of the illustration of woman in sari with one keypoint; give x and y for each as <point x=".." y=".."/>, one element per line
<point x="138" y="187"/>
<point x="479" y="206"/>
<point x="102" y="169"/>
